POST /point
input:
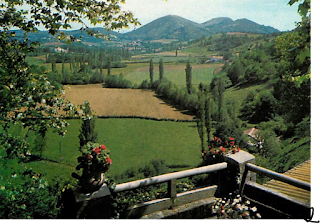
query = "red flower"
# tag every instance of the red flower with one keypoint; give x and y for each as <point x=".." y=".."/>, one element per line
<point x="216" y="152"/>
<point x="222" y="207"/>
<point x="89" y="157"/>
<point x="227" y="143"/>
<point x="215" y="138"/>
<point x="219" y="140"/>
<point x="231" y="138"/>
<point x="103" y="147"/>
<point x="222" y="149"/>
<point x="232" y="143"/>
<point x="109" y="160"/>
<point x="239" y="149"/>
<point x="234" y="151"/>
<point x="97" y="150"/>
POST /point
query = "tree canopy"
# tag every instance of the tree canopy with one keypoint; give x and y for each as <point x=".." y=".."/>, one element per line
<point x="27" y="97"/>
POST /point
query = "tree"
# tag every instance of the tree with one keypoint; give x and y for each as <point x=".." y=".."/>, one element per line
<point x="189" y="77"/>
<point x="29" y="99"/>
<point x="151" y="70"/>
<point x="208" y="114"/>
<point x="87" y="132"/>
<point x="161" y="69"/>
<point x="201" y="115"/>
<point x="109" y="65"/>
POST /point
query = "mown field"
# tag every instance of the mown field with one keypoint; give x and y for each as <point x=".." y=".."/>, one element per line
<point x="133" y="143"/>
<point x="122" y="102"/>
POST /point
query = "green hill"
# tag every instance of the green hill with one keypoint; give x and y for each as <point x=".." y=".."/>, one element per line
<point x="169" y="27"/>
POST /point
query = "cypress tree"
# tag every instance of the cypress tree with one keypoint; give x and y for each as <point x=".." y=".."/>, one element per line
<point x="208" y="114"/>
<point x="87" y="131"/>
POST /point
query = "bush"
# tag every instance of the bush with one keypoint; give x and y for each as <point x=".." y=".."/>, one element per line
<point x="27" y="195"/>
<point x="114" y="81"/>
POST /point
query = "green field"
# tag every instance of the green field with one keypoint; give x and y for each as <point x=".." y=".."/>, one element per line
<point x="175" y="73"/>
<point x="138" y="72"/>
<point x="132" y="143"/>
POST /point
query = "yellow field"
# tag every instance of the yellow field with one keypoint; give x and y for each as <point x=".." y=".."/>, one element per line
<point x="122" y="102"/>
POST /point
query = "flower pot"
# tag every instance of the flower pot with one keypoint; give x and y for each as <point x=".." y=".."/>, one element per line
<point x="91" y="182"/>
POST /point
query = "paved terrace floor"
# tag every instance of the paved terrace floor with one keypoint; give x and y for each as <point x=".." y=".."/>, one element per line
<point x="301" y="172"/>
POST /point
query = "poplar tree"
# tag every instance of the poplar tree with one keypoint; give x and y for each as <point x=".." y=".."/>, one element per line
<point x="161" y="69"/>
<point x="151" y="70"/>
<point x="201" y="115"/>
<point x="189" y="77"/>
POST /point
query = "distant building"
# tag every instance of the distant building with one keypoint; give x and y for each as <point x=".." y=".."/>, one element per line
<point x="213" y="59"/>
<point x="253" y="133"/>
<point x="59" y="49"/>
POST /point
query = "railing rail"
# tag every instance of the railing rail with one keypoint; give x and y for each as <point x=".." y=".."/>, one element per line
<point x="273" y="175"/>
<point x="169" y="177"/>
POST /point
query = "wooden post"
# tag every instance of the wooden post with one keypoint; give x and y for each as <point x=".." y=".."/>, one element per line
<point x="172" y="190"/>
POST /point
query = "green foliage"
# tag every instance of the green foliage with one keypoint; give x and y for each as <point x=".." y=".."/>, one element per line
<point x="25" y="195"/>
<point x="87" y="131"/>
<point x="114" y="81"/>
<point x="258" y="107"/>
<point x="151" y="70"/>
<point x="161" y="69"/>
<point x="189" y="77"/>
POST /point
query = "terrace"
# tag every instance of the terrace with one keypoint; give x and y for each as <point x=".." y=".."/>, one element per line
<point x="284" y="196"/>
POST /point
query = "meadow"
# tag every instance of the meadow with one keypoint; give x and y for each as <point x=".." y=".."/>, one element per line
<point x="201" y="73"/>
<point x="133" y="143"/>
<point x="137" y="69"/>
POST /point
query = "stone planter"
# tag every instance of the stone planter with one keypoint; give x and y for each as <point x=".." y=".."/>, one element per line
<point x="91" y="182"/>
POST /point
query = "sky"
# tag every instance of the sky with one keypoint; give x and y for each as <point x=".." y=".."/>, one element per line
<point x="275" y="13"/>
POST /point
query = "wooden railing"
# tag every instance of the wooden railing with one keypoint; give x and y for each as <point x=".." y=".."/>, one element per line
<point x="174" y="199"/>
<point x="286" y="206"/>
<point x="169" y="177"/>
<point x="273" y="175"/>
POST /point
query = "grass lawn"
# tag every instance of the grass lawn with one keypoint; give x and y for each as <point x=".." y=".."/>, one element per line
<point x="132" y="143"/>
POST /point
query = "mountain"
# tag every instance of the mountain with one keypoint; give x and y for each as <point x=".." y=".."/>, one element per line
<point x="169" y="27"/>
<point x="176" y="27"/>
<point x="215" y="21"/>
<point x="223" y="25"/>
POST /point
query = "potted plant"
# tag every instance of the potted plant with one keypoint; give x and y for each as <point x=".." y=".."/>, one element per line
<point x="95" y="161"/>
<point x="218" y="149"/>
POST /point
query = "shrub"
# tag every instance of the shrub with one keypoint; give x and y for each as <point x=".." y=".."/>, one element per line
<point x="114" y="81"/>
<point x="26" y="194"/>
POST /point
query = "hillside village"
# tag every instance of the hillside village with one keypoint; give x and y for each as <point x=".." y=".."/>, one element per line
<point x="170" y="96"/>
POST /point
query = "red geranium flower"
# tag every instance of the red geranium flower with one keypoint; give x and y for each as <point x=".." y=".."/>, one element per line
<point x="216" y="152"/>
<point x="109" y="160"/>
<point x="232" y="143"/>
<point x="97" y="150"/>
<point x="215" y="138"/>
<point x="103" y="147"/>
<point x="219" y="140"/>
<point x="239" y="149"/>
<point x="222" y="149"/>
<point x="234" y="151"/>
<point x="231" y="138"/>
